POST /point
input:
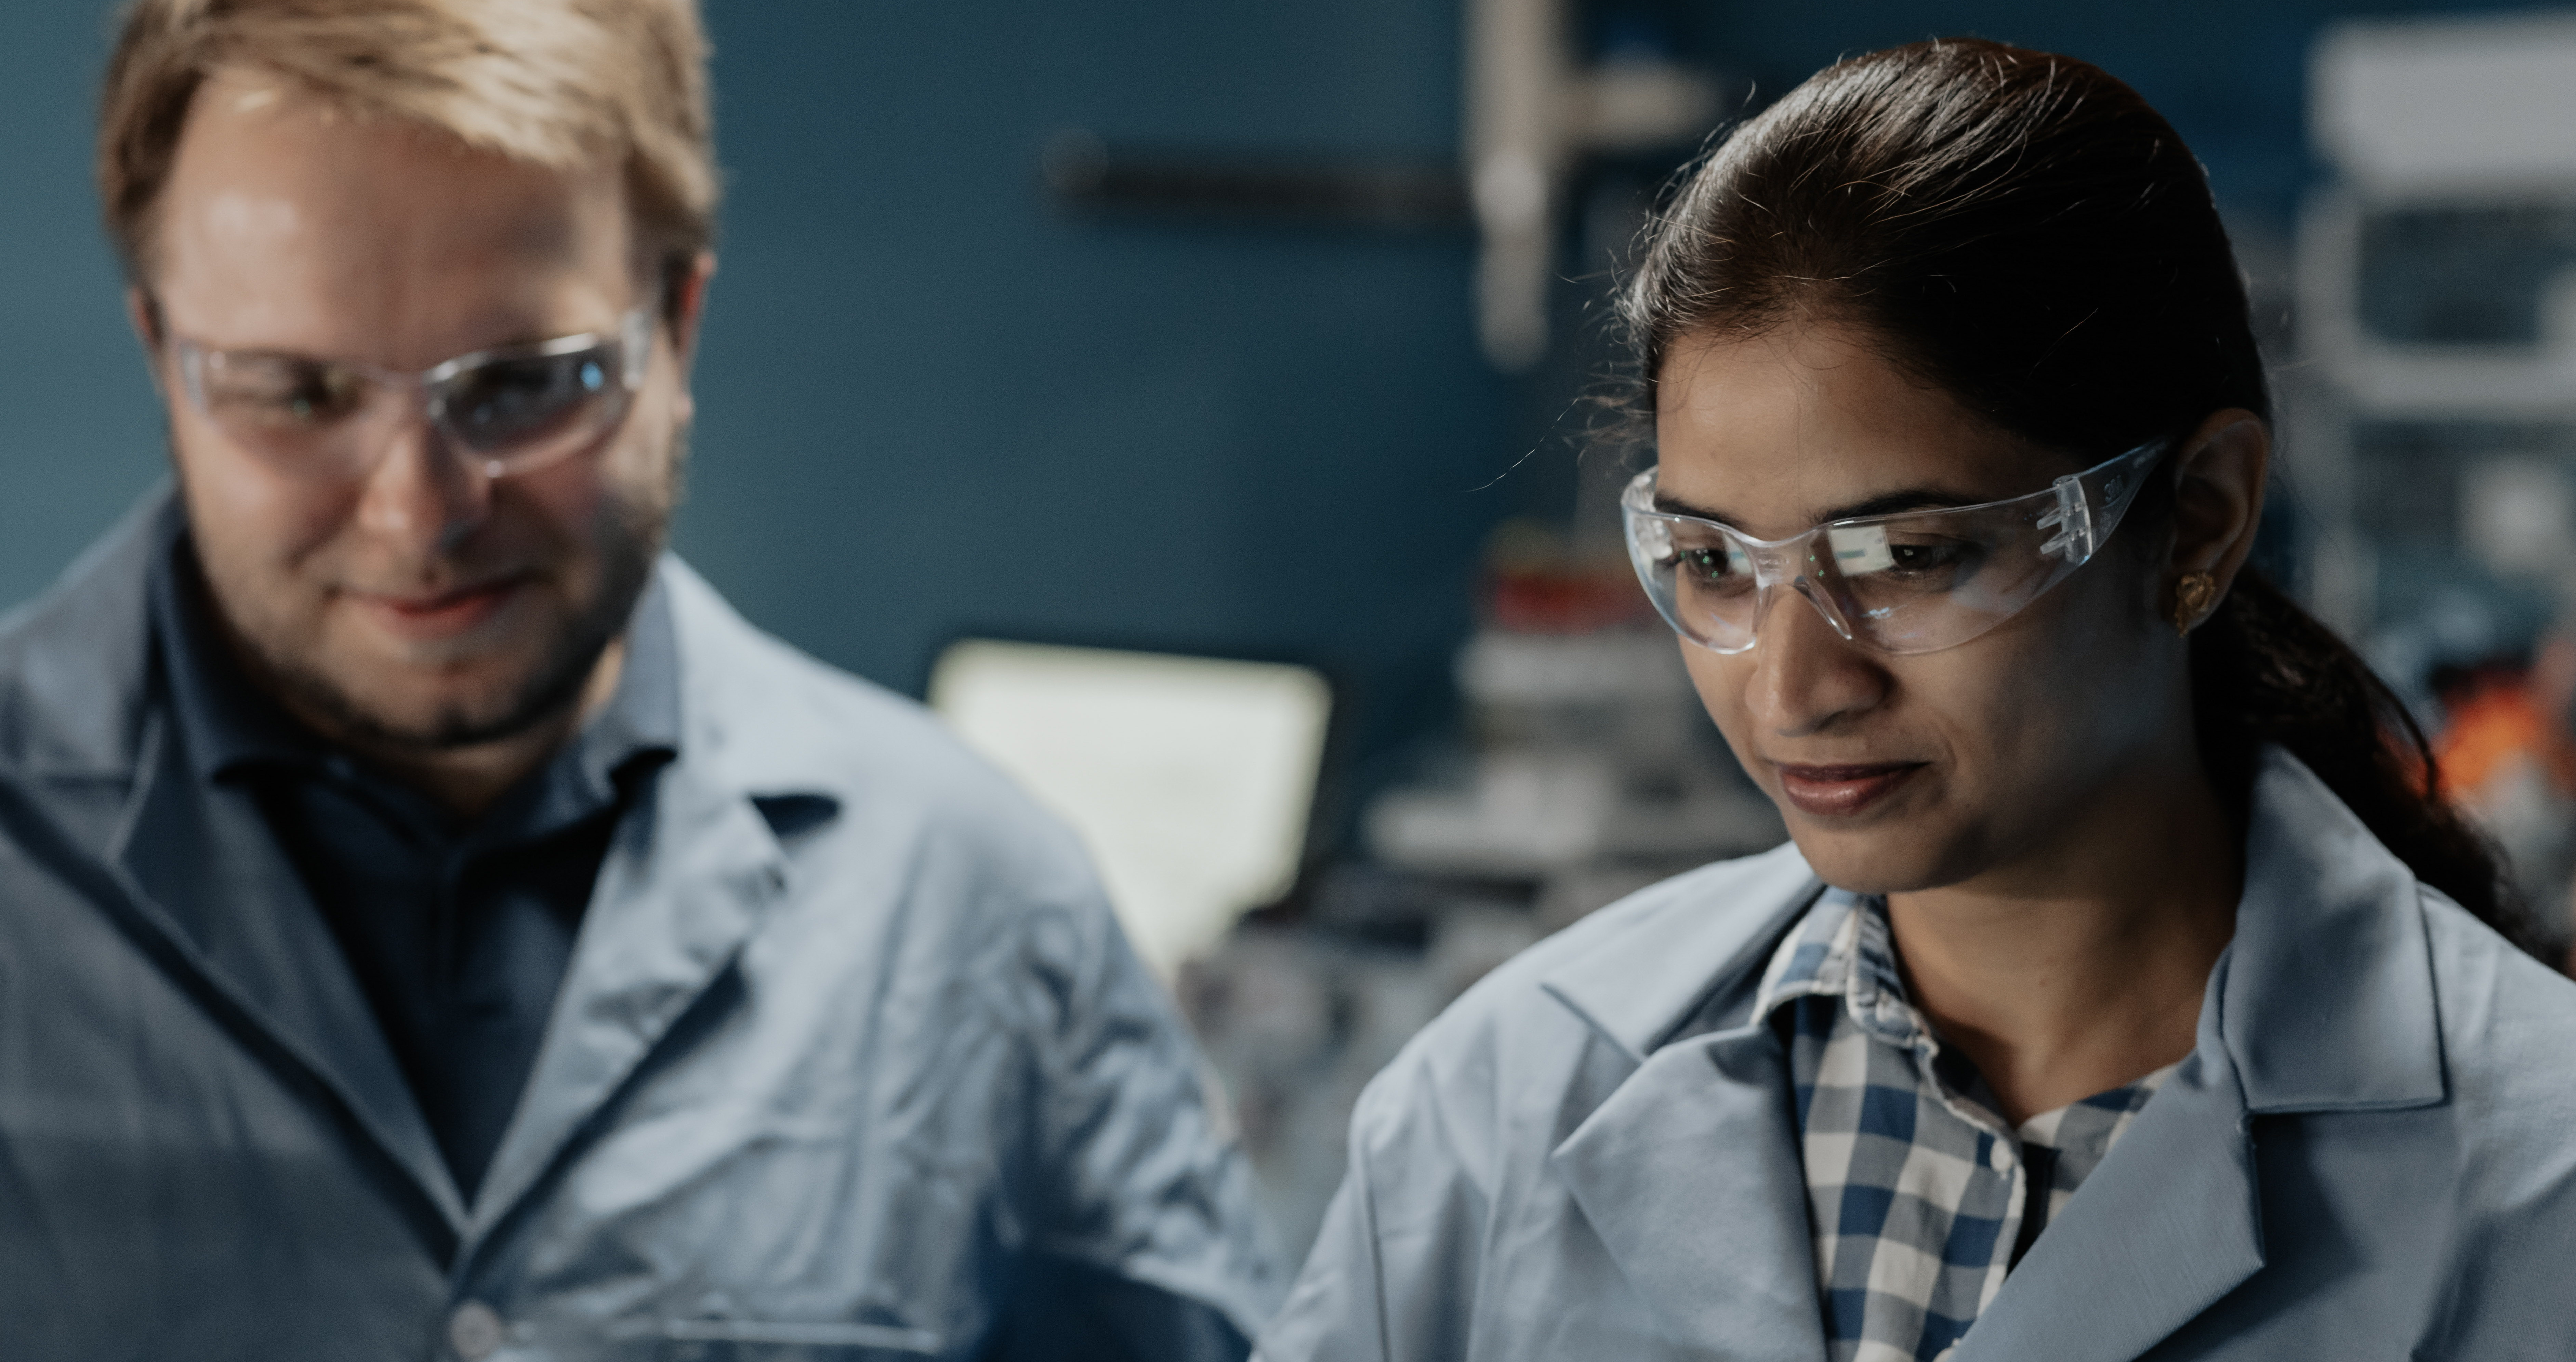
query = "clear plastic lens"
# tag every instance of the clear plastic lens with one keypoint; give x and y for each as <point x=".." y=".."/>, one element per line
<point x="278" y="393"/>
<point x="1861" y="549"/>
<point x="512" y="410"/>
<point x="512" y="404"/>
<point x="1908" y="583"/>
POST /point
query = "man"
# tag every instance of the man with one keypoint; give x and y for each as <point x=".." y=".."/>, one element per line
<point x="431" y="923"/>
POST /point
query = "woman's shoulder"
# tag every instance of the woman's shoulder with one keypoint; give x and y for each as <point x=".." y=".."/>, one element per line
<point x="2500" y="1149"/>
<point x="2508" y="1021"/>
<point x="1615" y="983"/>
<point x="1651" y="956"/>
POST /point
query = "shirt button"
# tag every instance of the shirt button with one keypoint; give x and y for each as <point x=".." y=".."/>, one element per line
<point x="474" y="1331"/>
<point x="1999" y="1156"/>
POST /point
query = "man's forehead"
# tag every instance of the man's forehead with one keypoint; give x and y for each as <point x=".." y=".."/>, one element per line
<point x="264" y="161"/>
<point x="284" y="213"/>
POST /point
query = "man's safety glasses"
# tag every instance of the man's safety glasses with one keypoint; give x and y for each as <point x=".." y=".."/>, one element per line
<point x="502" y="411"/>
<point x="1915" y="582"/>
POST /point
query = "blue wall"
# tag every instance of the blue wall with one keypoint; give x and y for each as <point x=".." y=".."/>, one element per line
<point x="932" y="403"/>
<point x="80" y="435"/>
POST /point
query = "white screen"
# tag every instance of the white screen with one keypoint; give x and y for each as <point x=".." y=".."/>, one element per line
<point x="1190" y="778"/>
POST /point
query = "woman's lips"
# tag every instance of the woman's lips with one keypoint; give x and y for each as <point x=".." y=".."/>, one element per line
<point x="1840" y="791"/>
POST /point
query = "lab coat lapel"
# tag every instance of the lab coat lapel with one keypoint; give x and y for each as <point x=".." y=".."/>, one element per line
<point x="2322" y="1003"/>
<point x="1689" y="1171"/>
<point x="192" y="873"/>
<point x="212" y="882"/>
<point x="1690" y="1175"/>
<point x="682" y="888"/>
<point x="693" y="868"/>
<point x="2167" y="1225"/>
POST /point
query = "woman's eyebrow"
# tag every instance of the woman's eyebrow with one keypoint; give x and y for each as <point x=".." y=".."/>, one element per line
<point x="1885" y="503"/>
<point x="1669" y="504"/>
<point x="1906" y="499"/>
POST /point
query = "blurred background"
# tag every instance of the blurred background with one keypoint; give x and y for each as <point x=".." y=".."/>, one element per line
<point x="1189" y="400"/>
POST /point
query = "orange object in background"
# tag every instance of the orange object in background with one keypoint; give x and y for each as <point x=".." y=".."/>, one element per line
<point x="2497" y="721"/>
<point x="2506" y="759"/>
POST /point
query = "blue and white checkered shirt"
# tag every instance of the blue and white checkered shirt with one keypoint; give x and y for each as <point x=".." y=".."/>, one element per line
<point x="1916" y="1187"/>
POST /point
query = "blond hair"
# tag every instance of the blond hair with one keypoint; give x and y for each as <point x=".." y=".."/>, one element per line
<point x="556" y="83"/>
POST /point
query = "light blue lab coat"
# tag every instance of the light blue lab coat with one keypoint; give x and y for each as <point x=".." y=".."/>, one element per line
<point x="849" y="1053"/>
<point x="2371" y="1153"/>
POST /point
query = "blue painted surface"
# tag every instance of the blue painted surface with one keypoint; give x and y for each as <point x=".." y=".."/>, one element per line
<point x="932" y="404"/>
<point x="80" y="434"/>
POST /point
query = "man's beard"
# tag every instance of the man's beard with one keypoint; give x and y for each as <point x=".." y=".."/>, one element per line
<point x="637" y="529"/>
<point x="633" y="540"/>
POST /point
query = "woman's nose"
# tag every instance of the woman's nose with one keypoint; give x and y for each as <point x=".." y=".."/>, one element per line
<point x="1806" y="676"/>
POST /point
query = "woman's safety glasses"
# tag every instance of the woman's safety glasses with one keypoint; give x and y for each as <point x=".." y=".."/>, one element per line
<point x="503" y="411"/>
<point x="1915" y="582"/>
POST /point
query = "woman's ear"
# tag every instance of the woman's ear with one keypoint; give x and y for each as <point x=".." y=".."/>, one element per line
<point x="2218" y="503"/>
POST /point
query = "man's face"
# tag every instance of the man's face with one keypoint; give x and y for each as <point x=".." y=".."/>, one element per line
<point x="418" y="603"/>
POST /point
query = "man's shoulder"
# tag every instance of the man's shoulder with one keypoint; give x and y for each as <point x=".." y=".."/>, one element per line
<point x="73" y="659"/>
<point x="776" y="720"/>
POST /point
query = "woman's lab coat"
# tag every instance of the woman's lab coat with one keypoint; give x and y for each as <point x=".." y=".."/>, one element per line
<point x="2371" y="1153"/>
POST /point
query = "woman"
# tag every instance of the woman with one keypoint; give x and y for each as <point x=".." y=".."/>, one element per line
<point x="2123" y="991"/>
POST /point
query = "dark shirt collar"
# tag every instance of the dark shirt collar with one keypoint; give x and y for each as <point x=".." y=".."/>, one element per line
<point x="231" y="729"/>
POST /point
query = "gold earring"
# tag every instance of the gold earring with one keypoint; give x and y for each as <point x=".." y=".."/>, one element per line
<point x="2192" y="596"/>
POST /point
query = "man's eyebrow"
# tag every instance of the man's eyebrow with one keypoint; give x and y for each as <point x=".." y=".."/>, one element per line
<point x="1885" y="503"/>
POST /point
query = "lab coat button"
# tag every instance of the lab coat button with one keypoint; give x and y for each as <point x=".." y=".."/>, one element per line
<point x="2000" y="1156"/>
<point x="474" y="1331"/>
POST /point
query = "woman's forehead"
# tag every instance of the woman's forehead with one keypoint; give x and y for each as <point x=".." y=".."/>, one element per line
<point x="1802" y="424"/>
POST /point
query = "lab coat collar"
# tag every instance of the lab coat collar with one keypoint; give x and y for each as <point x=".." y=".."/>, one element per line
<point x="191" y="856"/>
<point x="2326" y="1003"/>
<point x="2169" y="1223"/>
<point x="2329" y="1005"/>
<point x="2323" y="1002"/>
<point x="682" y="890"/>
<point x="73" y="709"/>
<point x="1642" y="986"/>
<point x="77" y="710"/>
<point x="186" y="853"/>
<point x="1690" y="1173"/>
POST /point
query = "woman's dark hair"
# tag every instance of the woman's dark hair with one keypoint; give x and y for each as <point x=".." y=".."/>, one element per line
<point x="2022" y="231"/>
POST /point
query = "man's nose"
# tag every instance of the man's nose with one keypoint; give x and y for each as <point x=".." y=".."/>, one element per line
<point x="1806" y="676"/>
<point x="419" y="495"/>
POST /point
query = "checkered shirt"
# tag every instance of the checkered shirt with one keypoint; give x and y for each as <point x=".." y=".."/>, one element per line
<point x="1916" y="1187"/>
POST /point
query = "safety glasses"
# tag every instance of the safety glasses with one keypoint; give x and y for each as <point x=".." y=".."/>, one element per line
<point x="1914" y="582"/>
<point x="503" y="411"/>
